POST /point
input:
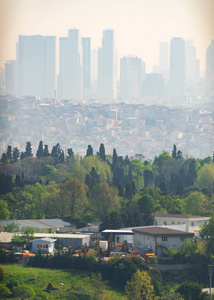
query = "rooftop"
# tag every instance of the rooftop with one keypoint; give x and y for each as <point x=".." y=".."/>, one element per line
<point x="159" y="231"/>
<point x="179" y="216"/>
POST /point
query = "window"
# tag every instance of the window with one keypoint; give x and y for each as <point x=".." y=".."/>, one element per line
<point x="164" y="238"/>
<point x="172" y="222"/>
<point x="192" y="224"/>
<point x="164" y="222"/>
<point x="183" y="238"/>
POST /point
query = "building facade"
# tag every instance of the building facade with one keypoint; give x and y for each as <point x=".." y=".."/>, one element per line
<point x="159" y="239"/>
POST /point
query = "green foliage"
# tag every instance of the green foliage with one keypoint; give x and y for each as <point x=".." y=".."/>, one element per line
<point x="10" y="284"/>
<point x="190" y="290"/>
<point x="140" y="287"/>
<point x="1" y="274"/>
<point x="189" y="248"/>
<point x="4" y="291"/>
<point x="23" y="291"/>
<point x="4" y="211"/>
<point x="47" y="169"/>
<point x="207" y="233"/>
<point x="196" y="203"/>
<point x="11" y="227"/>
<point x="50" y="286"/>
<point x="44" y="295"/>
<point x="205" y="178"/>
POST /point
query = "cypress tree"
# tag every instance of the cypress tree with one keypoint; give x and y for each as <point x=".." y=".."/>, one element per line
<point x="28" y="150"/>
<point x="16" y="154"/>
<point x="40" y="150"/>
<point x="89" y="151"/>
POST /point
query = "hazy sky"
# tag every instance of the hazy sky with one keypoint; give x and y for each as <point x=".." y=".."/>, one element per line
<point x="139" y="24"/>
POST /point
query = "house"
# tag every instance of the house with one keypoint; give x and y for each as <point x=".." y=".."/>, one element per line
<point x="186" y="222"/>
<point x="41" y="225"/>
<point x="159" y="239"/>
<point x="45" y="245"/>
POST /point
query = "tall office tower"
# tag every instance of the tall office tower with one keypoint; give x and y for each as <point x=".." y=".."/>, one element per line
<point x="164" y="60"/>
<point x="11" y="79"/>
<point x="86" y="67"/>
<point x="210" y="62"/>
<point x="94" y="65"/>
<point x="69" y="78"/>
<point x="107" y="80"/>
<point x="62" y="78"/>
<point x="130" y="78"/>
<point x="50" y="67"/>
<point x="177" y="69"/>
<point x="36" y="66"/>
<point x="74" y="66"/>
<point x="192" y="64"/>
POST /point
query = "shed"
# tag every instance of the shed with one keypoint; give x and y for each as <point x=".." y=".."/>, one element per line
<point x="45" y="245"/>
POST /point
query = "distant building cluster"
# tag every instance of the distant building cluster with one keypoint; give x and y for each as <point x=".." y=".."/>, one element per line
<point x="86" y="74"/>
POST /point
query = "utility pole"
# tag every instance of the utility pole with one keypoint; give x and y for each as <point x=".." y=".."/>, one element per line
<point x="210" y="272"/>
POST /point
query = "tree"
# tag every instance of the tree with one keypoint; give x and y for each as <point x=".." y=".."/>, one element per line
<point x="190" y="290"/>
<point x="9" y="153"/>
<point x="205" y="179"/>
<point x="74" y="190"/>
<point x="40" y="150"/>
<point x="196" y="203"/>
<point x="28" y="150"/>
<point x="89" y="151"/>
<point x="104" y="200"/>
<point x="70" y="153"/>
<point x="16" y="154"/>
<point x="46" y="151"/>
<point x="114" y="162"/>
<point x="12" y="227"/>
<point x="1" y="274"/>
<point x="174" y="152"/>
<point x="56" y="152"/>
<point x="101" y="152"/>
<point x="4" y="211"/>
<point x="37" y="204"/>
<point x="147" y="206"/>
<point x="207" y="233"/>
<point x="140" y="287"/>
<point x="4" y="158"/>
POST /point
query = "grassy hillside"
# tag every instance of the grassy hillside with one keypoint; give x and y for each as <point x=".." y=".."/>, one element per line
<point x="74" y="281"/>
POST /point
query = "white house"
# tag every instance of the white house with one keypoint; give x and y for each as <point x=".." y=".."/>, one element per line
<point x="45" y="245"/>
<point x="185" y="222"/>
<point x="159" y="239"/>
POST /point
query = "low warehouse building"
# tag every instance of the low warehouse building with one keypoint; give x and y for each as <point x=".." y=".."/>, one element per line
<point x="67" y="239"/>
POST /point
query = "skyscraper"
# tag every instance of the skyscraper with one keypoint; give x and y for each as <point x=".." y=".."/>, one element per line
<point x="210" y="62"/>
<point x="36" y="66"/>
<point x="74" y="66"/>
<point x="177" y="69"/>
<point x="107" y="67"/>
<point x="164" y="60"/>
<point x="130" y="78"/>
<point x="192" y="64"/>
<point x="11" y="79"/>
<point x="70" y="77"/>
<point x="86" y="67"/>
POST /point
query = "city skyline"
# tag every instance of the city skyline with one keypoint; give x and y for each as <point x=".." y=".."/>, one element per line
<point x="139" y="25"/>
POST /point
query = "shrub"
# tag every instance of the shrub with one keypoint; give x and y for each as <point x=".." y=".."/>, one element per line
<point x="1" y="274"/>
<point x="4" y="291"/>
<point x="23" y="291"/>
<point x="50" y="286"/>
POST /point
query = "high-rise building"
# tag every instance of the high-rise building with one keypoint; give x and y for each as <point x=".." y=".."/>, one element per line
<point x="11" y="79"/>
<point x="210" y="62"/>
<point x="70" y="75"/>
<point x="192" y="64"/>
<point x="164" y="60"/>
<point x="86" y="67"/>
<point x="177" y="69"/>
<point x="131" y="73"/>
<point x="62" y="79"/>
<point x="36" y="66"/>
<point x="107" y="80"/>
<point x="74" y="65"/>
